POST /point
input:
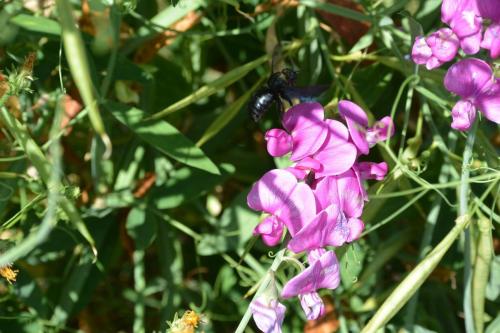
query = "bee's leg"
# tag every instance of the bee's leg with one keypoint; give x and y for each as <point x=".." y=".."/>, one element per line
<point x="280" y="105"/>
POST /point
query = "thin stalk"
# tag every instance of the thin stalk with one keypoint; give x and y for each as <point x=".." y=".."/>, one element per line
<point x="263" y="285"/>
<point x="429" y="230"/>
<point x="139" y="286"/>
<point x="463" y="204"/>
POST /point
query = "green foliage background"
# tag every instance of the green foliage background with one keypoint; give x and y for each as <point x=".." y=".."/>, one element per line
<point x="166" y="212"/>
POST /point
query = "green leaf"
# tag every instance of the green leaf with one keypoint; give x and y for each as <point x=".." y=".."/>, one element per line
<point x="186" y="184"/>
<point x="352" y="264"/>
<point x="141" y="228"/>
<point x="233" y="230"/>
<point x="211" y="88"/>
<point x="163" y="136"/>
<point x="337" y="10"/>
<point x="37" y="24"/>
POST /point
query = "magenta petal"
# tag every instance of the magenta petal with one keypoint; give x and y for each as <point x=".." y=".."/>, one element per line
<point x="370" y="170"/>
<point x="449" y="8"/>
<point x="299" y="208"/>
<point x="466" y="23"/>
<point x="420" y="52"/>
<point x="432" y="63"/>
<point x="488" y="102"/>
<point x="357" y="121"/>
<point x="489" y="9"/>
<point x="315" y="255"/>
<point x="444" y="44"/>
<point x="467" y="77"/>
<point x="279" y="142"/>
<point x="463" y="114"/>
<point x="324" y="273"/>
<point x="380" y="131"/>
<point x="491" y="40"/>
<point x="312" y="305"/>
<point x="337" y="155"/>
<point x="336" y="159"/>
<point x="317" y="233"/>
<point x="271" y="230"/>
<point x="472" y="43"/>
<point x="349" y="194"/>
<point x="306" y="126"/>
<point x="356" y="227"/>
<point x="268" y="314"/>
<point x="297" y="172"/>
<point x="271" y="191"/>
<point x="326" y="192"/>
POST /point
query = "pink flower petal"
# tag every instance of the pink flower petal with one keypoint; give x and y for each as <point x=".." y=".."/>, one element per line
<point x="444" y="44"/>
<point x="271" y="191"/>
<point x="268" y="314"/>
<point x="467" y="77"/>
<point x="312" y="305"/>
<point x="370" y="170"/>
<point x="491" y="40"/>
<point x="449" y="8"/>
<point x="380" y="131"/>
<point x="356" y="227"/>
<point x="488" y="102"/>
<point x="299" y="208"/>
<point x="337" y="155"/>
<point x="318" y="233"/>
<point x="463" y="114"/>
<point x="271" y="230"/>
<point x="324" y="273"/>
<point x="432" y="63"/>
<point x="305" y="124"/>
<point x="357" y="122"/>
<point x="279" y="142"/>
<point x="471" y="44"/>
<point x="489" y="9"/>
<point x="326" y="192"/>
<point x="350" y="198"/>
<point x="467" y="22"/>
<point x="420" y="52"/>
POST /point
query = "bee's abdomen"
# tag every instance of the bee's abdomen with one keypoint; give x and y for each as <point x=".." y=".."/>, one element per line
<point x="259" y="104"/>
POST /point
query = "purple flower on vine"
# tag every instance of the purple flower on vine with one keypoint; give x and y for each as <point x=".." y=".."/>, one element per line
<point x="268" y="314"/>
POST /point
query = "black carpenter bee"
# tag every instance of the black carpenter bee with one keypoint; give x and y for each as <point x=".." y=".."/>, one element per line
<point x="280" y="86"/>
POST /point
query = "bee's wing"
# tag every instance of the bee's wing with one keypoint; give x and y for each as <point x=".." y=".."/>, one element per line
<point x="305" y="93"/>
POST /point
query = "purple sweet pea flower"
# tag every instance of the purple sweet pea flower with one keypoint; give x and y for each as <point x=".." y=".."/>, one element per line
<point x="323" y="273"/>
<point x="335" y="156"/>
<point x="380" y="131"/>
<point x="268" y="314"/>
<point x="433" y="51"/>
<point x="312" y="305"/>
<point x="491" y="40"/>
<point x="288" y="202"/>
<point x="305" y="132"/>
<point x="489" y="9"/>
<point x="472" y="79"/>
<point x="465" y="20"/>
<point x="370" y="170"/>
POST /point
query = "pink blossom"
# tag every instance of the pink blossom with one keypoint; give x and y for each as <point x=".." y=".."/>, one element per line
<point x="491" y="40"/>
<point x="279" y="142"/>
<point x="268" y="314"/>
<point x="433" y="51"/>
<point x="288" y="202"/>
<point x="306" y="132"/>
<point x="312" y="305"/>
<point x="370" y="170"/>
<point x="380" y="131"/>
<point x="323" y="273"/>
<point x="465" y="20"/>
<point x="472" y="79"/>
<point x="335" y="156"/>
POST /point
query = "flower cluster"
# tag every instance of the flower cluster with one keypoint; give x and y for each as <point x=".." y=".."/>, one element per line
<point x="318" y="200"/>
<point x="473" y="24"/>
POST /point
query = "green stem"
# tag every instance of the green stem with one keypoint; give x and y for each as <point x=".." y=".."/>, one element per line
<point x="263" y="285"/>
<point x="463" y="205"/>
<point x="139" y="286"/>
